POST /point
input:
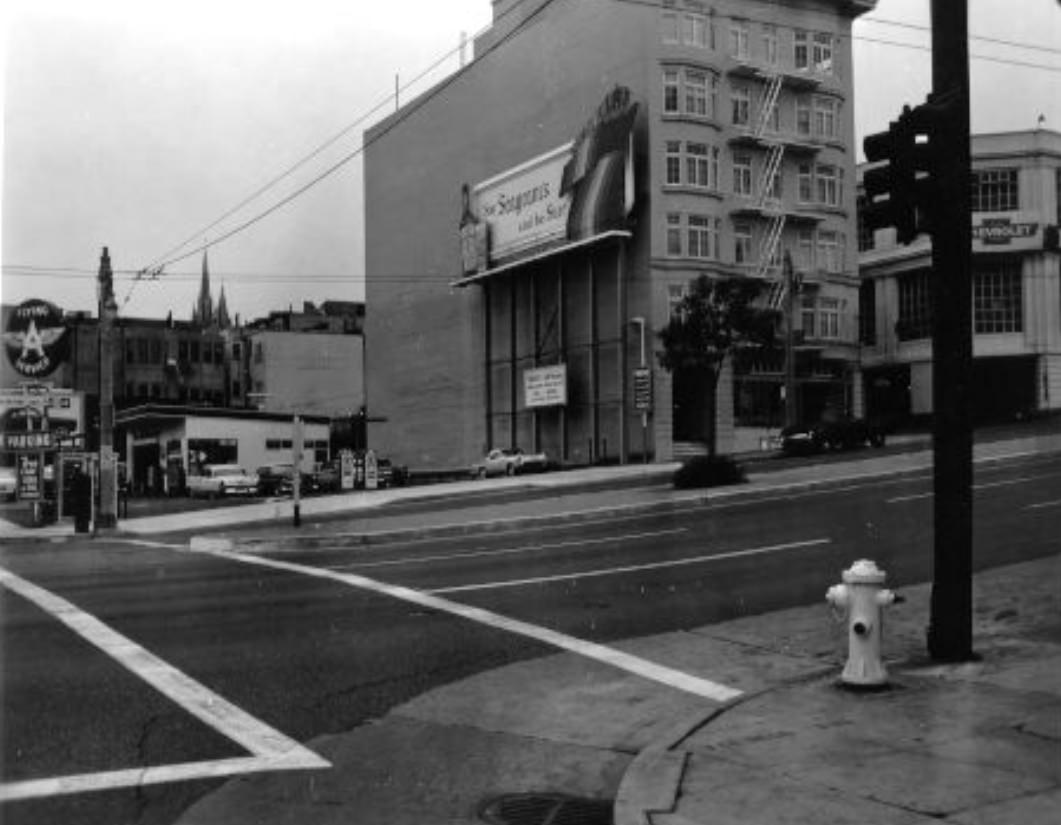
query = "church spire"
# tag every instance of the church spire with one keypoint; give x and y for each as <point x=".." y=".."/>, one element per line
<point x="222" y="318"/>
<point x="204" y="314"/>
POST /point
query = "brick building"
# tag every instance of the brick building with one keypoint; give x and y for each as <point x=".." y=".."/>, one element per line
<point x="528" y="217"/>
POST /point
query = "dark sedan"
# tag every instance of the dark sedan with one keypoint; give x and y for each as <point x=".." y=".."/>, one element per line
<point x="838" y="433"/>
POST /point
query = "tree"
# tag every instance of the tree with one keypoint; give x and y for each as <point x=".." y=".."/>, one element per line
<point x="718" y="317"/>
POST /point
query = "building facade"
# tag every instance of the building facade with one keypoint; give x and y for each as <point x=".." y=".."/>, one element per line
<point x="531" y="222"/>
<point x="1016" y="291"/>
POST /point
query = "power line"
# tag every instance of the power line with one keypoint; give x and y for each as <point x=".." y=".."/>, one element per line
<point x="997" y="40"/>
<point x="984" y="57"/>
<point x="165" y="259"/>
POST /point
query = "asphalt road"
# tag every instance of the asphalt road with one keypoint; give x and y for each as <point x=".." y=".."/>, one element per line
<point x="316" y="640"/>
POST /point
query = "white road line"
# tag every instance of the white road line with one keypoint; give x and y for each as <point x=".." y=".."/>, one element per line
<point x="631" y="568"/>
<point x="269" y="747"/>
<point x="590" y="650"/>
<point x="506" y="551"/>
<point x="1004" y="483"/>
<point x="1043" y="504"/>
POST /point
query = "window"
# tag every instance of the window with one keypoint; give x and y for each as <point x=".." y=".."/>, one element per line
<point x="156" y="351"/>
<point x="828" y="181"/>
<point x="259" y="353"/>
<point x="236" y="351"/>
<point x="995" y="190"/>
<point x="742" y="242"/>
<point x="807" y="316"/>
<point x="669" y="26"/>
<point x="235" y="389"/>
<point x="696" y="93"/>
<point x="803" y="118"/>
<point x="130" y="351"/>
<point x="742" y="105"/>
<point x="867" y="313"/>
<point x="822" y="55"/>
<point x="673" y="162"/>
<point x="915" y="306"/>
<point x="805" y="188"/>
<point x="697" y="165"/>
<point x="194" y="352"/>
<point x="675" y="294"/>
<point x="208" y="353"/>
<point x="829" y="317"/>
<point x="702" y="236"/>
<point x="219" y="352"/>
<point x="829" y="257"/>
<point x="866" y="240"/>
<point x="182" y="350"/>
<point x="143" y="353"/>
<point x="674" y="234"/>
<point x="805" y="250"/>
<point x="770" y="45"/>
<point x="694" y="30"/>
<point x="801" y="51"/>
<point x="738" y="39"/>
<point x="742" y="174"/>
<point x="700" y="97"/>
<point x="998" y="300"/>
<point x="670" y="90"/>
<point x="826" y="111"/>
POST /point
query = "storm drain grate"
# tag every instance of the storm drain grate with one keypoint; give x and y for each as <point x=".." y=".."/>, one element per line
<point x="545" y="809"/>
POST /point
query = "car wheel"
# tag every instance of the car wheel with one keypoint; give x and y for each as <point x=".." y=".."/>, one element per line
<point x="221" y="490"/>
<point x="510" y="470"/>
<point x="876" y="439"/>
<point x="481" y="473"/>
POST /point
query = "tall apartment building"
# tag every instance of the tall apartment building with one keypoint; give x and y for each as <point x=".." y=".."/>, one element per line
<point x="532" y="217"/>
<point x="1016" y="203"/>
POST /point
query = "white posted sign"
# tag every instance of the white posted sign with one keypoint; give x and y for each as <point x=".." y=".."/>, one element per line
<point x="545" y="386"/>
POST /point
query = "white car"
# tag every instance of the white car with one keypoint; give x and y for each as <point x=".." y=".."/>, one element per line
<point x="500" y="462"/>
<point x="8" y="483"/>
<point x="223" y="480"/>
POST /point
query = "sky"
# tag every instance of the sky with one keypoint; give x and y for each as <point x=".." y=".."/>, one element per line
<point x="140" y="125"/>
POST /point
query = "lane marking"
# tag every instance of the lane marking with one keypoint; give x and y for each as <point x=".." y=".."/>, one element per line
<point x="506" y="551"/>
<point x="270" y="749"/>
<point x="633" y="568"/>
<point x="984" y="486"/>
<point x="661" y="674"/>
<point x="1043" y="504"/>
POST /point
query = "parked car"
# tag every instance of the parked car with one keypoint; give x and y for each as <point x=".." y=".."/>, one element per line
<point x="223" y="480"/>
<point x="835" y="433"/>
<point x="8" y="483"/>
<point x="509" y="462"/>
<point x="327" y="477"/>
<point x="278" y="480"/>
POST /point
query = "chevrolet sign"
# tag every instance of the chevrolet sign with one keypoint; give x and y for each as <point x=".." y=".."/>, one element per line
<point x="1009" y="231"/>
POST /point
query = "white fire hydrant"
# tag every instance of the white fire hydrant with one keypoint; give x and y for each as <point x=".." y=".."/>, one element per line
<point x="860" y="600"/>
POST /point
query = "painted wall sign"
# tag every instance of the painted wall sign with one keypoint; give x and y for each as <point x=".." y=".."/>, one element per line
<point x="1006" y="232"/>
<point x="35" y="338"/>
<point x="545" y="386"/>
<point x="573" y="192"/>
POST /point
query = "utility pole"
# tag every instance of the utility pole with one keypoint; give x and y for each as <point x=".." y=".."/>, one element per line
<point x="107" y="516"/>
<point x="296" y="471"/>
<point x="950" y="624"/>
<point x="791" y="417"/>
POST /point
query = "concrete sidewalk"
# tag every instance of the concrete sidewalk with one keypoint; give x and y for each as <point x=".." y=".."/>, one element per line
<point x="973" y="743"/>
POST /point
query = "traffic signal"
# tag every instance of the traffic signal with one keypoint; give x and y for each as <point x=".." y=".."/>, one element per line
<point x="900" y="192"/>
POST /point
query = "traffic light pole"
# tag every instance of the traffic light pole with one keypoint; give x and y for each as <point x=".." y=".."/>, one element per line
<point x="950" y="624"/>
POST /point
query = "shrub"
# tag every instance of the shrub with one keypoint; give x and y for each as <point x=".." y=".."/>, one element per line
<point x="708" y="471"/>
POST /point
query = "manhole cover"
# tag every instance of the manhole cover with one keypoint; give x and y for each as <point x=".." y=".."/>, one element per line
<point x="545" y="809"/>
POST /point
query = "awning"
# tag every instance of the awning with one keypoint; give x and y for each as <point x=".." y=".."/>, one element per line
<point x="541" y="256"/>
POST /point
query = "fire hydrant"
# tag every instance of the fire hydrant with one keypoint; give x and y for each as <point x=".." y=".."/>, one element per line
<point x="860" y="600"/>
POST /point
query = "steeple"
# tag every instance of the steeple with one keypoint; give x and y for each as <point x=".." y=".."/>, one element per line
<point x="204" y="312"/>
<point x="222" y="318"/>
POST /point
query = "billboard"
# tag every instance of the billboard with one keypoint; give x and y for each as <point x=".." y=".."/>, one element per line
<point x="575" y="191"/>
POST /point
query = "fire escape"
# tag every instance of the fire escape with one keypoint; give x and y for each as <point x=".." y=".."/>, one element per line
<point x="768" y="264"/>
